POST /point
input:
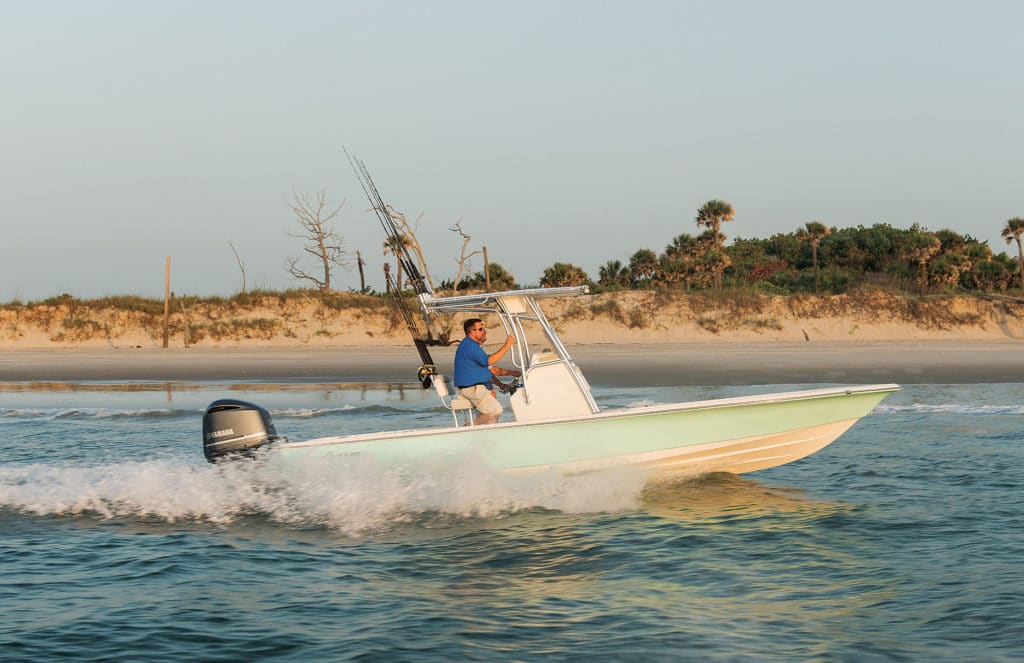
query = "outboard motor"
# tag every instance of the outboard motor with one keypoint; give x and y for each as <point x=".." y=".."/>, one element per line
<point x="232" y="427"/>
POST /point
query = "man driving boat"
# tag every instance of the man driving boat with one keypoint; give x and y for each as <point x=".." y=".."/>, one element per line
<point x="475" y="371"/>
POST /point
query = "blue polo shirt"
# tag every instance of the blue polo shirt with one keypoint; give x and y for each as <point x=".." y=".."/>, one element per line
<point x="471" y="365"/>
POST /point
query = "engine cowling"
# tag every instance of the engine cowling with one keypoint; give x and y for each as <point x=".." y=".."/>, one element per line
<point x="232" y="427"/>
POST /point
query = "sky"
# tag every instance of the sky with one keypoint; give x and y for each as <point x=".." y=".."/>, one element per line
<point x="554" y="131"/>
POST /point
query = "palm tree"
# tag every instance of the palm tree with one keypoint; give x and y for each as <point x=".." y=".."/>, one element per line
<point x="643" y="266"/>
<point x="613" y="273"/>
<point x="563" y="274"/>
<point x="678" y="262"/>
<point x="1012" y="232"/>
<point x="681" y="244"/>
<point x="712" y="215"/>
<point x="814" y="232"/>
<point x="714" y="262"/>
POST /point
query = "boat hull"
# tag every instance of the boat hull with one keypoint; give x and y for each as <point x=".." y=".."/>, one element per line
<point x="736" y="435"/>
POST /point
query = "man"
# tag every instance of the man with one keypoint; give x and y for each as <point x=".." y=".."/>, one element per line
<point x="475" y="371"/>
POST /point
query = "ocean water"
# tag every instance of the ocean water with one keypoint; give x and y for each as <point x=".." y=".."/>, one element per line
<point x="903" y="540"/>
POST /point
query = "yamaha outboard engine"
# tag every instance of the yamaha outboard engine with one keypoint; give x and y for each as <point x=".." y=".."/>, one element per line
<point x="232" y="427"/>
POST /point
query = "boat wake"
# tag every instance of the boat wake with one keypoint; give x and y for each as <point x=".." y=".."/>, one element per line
<point x="352" y="496"/>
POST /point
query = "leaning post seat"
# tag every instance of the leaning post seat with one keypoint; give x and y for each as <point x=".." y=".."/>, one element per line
<point x="455" y="404"/>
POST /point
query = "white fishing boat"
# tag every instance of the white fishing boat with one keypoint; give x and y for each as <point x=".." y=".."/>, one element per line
<point x="557" y="425"/>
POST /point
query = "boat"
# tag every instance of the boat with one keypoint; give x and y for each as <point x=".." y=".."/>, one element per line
<point x="556" y="424"/>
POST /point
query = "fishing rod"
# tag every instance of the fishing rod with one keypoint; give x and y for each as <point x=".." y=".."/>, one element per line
<point x="397" y="243"/>
<point x="396" y="238"/>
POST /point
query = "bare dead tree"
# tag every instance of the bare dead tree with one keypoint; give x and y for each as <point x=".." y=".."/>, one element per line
<point x="241" y="265"/>
<point x="408" y="232"/>
<point x="463" y="255"/>
<point x="320" y="239"/>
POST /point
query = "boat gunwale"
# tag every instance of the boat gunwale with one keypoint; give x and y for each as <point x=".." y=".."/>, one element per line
<point x="717" y="403"/>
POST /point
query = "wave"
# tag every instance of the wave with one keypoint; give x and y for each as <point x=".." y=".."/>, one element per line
<point x="309" y="412"/>
<point x="95" y="413"/>
<point x="171" y="413"/>
<point x="949" y="408"/>
<point x="352" y="495"/>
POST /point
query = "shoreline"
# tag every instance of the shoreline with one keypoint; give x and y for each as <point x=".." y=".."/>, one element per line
<point x="647" y="364"/>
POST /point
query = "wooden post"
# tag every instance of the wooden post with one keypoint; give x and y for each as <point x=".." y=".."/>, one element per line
<point x="362" y="279"/>
<point x="487" y="270"/>
<point x="167" y="300"/>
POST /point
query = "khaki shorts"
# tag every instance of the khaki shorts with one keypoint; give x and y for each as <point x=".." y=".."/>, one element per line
<point x="482" y="399"/>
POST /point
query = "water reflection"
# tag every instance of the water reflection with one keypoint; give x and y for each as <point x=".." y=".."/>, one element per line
<point x="728" y="496"/>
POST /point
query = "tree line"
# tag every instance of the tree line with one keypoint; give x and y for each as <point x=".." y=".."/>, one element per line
<point x="813" y="258"/>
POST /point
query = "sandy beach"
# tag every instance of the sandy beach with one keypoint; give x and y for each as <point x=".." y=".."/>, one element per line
<point x="650" y="364"/>
<point x="627" y="338"/>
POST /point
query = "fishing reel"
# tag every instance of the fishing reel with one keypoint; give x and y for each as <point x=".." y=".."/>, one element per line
<point x="426" y="375"/>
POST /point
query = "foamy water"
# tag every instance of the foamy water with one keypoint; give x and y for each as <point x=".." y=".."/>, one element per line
<point x="355" y="496"/>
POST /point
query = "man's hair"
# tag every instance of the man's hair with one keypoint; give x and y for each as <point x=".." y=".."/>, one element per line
<point x="469" y="323"/>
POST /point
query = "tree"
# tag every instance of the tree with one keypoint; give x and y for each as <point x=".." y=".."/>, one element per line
<point x="752" y="261"/>
<point x="988" y="275"/>
<point x="1012" y="232"/>
<point x="952" y="241"/>
<point x="679" y="261"/>
<point x="408" y="232"/>
<point x="814" y="232"/>
<point x="321" y="240"/>
<point x="501" y="279"/>
<point x="465" y="254"/>
<point x="613" y="274"/>
<point x="396" y="246"/>
<point x="563" y="274"/>
<point x="712" y="215"/>
<point x="713" y="263"/>
<point x="643" y="266"/>
<point x="681" y="245"/>
<point x="947" y="268"/>
<point x="919" y="247"/>
<point x="976" y="253"/>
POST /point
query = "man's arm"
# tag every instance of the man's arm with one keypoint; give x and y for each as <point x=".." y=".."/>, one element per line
<point x="496" y="357"/>
<point x="498" y="370"/>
